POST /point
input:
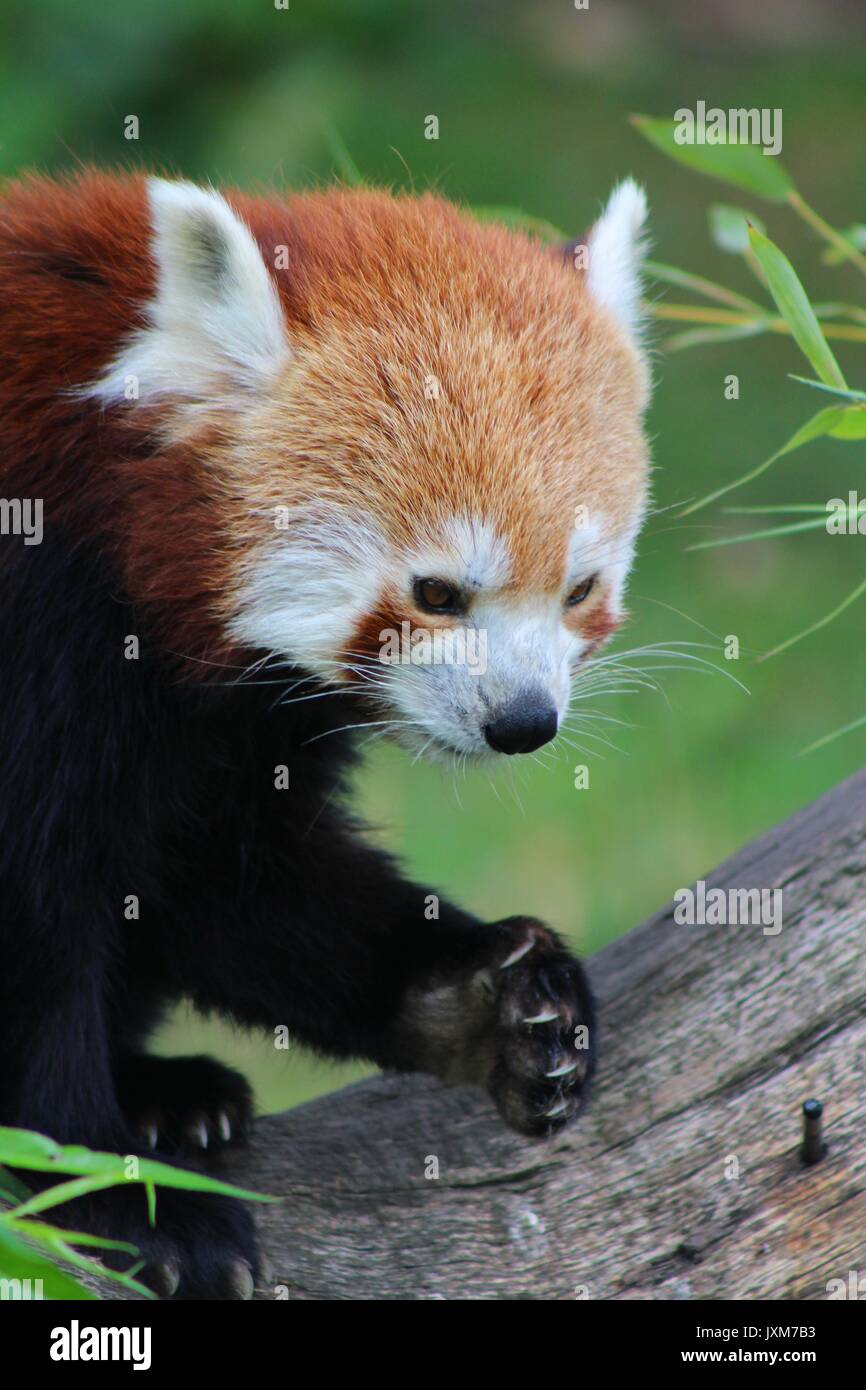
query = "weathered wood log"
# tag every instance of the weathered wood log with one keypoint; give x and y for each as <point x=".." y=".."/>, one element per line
<point x="683" y="1180"/>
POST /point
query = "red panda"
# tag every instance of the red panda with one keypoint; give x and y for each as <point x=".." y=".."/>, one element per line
<point x="267" y="435"/>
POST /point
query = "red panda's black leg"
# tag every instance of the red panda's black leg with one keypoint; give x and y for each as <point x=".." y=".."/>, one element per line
<point x="78" y="982"/>
<point x="59" y="1081"/>
<point x="339" y="952"/>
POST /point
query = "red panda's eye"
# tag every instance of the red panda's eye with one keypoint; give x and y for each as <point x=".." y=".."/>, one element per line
<point x="580" y="592"/>
<point x="436" y="595"/>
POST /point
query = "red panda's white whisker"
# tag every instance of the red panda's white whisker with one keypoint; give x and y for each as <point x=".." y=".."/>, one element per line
<point x="587" y="752"/>
<point x="422" y="750"/>
<point x="588" y="690"/>
<point x="362" y="724"/>
<point x="321" y="695"/>
<point x="596" y="738"/>
<point x="672" y="651"/>
<point x="593" y="715"/>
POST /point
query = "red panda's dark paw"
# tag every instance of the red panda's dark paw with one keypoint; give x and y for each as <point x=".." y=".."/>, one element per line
<point x="511" y="1010"/>
<point x="202" y="1246"/>
<point x="184" y="1105"/>
<point x="544" y="1030"/>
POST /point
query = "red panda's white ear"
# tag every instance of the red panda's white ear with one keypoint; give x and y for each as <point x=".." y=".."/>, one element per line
<point x="215" y="321"/>
<point x="615" y="254"/>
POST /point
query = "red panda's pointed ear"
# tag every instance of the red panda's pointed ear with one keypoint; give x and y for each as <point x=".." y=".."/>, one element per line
<point x="614" y="256"/>
<point x="215" y="322"/>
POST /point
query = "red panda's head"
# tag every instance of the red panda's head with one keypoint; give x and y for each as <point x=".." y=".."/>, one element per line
<point x="421" y="438"/>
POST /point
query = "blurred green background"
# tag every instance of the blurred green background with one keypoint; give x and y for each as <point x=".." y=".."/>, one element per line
<point x="532" y="101"/>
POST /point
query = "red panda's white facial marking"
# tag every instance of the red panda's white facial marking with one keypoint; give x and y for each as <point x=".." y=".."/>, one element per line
<point x="517" y="650"/>
<point x="416" y="398"/>
<point x="468" y="547"/>
<point x="314" y="590"/>
<point x="305" y="590"/>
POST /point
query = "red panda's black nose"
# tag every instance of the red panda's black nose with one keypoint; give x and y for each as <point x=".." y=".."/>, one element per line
<point x="524" y="725"/>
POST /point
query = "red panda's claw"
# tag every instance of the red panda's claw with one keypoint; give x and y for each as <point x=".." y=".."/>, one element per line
<point x="518" y="953"/>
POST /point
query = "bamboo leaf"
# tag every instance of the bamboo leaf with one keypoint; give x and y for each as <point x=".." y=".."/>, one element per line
<point x="700" y="337"/>
<point x="27" y="1149"/>
<point x="683" y="279"/>
<point x="20" y="1260"/>
<point x="835" y="309"/>
<point x="40" y="1230"/>
<point x="837" y="733"/>
<point x="60" y="1245"/>
<point x="745" y="166"/>
<point x="855" y="235"/>
<point x="843" y="391"/>
<point x="819" y="425"/>
<point x="822" y="622"/>
<point x="793" y="304"/>
<point x="12" y="1189"/>
<point x="770" y="534"/>
<point x="852" y="425"/>
<point x="58" y="1193"/>
<point x="782" y="509"/>
<point x="700" y="313"/>
<point x="729" y="227"/>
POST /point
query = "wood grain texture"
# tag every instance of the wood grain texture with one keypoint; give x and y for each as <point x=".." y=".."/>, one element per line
<point x="713" y="1036"/>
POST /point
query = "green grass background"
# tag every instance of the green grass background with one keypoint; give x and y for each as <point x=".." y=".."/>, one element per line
<point x="532" y="101"/>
